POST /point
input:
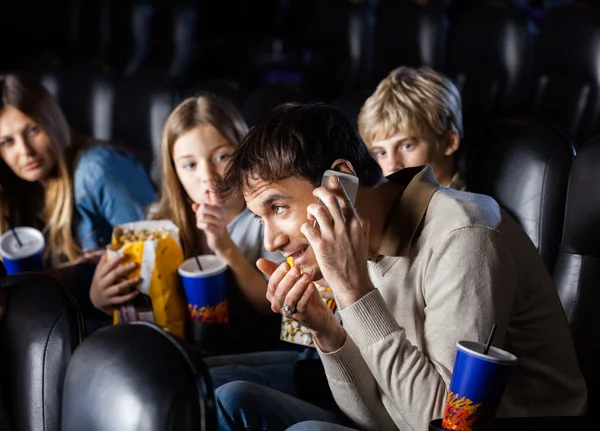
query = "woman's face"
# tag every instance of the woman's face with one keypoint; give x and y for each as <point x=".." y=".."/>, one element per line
<point x="24" y="146"/>
<point x="200" y="157"/>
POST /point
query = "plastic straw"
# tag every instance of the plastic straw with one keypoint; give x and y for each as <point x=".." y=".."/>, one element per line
<point x="14" y="232"/>
<point x="489" y="342"/>
<point x="198" y="263"/>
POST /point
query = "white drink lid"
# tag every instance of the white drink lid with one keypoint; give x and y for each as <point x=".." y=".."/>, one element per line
<point x="32" y="242"/>
<point x="495" y="354"/>
<point x="211" y="265"/>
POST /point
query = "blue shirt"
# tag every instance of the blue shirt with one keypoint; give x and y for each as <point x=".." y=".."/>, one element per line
<point x="110" y="188"/>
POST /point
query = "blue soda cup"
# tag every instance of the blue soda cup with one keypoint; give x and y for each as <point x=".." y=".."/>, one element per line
<point x="477" y="386"/>
<point x="206" y="289"/>
<point x="26" y="256"/>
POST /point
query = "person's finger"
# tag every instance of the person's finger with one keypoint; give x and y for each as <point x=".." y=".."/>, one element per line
<point x="283" y="288"/>
<point x="312" y="234"/>
<point x="110" y="265"/>
<point x="304" y="301"/>
<point x="321" y="214"/>
<point x="295" y="293"/>
<point x="125" y="287"/>
<point x="117" y="300"/>
<point x="212" y="214"/>
<point x="195" y="207"/>
<point x="332" y="201"/>
<point x="120" y="272"/>
<point x="276" y="278"/>
<point x="266" y="266"/>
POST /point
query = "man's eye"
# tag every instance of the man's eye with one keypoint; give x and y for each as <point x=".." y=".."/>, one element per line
<point x="278" y="209"/>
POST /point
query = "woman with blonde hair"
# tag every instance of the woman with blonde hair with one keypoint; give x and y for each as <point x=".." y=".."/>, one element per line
<point x="71" y="187"/>
<point x="199" y="137"/>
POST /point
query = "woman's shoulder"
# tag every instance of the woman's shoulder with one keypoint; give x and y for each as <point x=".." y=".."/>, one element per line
<point x="98" y="154"/>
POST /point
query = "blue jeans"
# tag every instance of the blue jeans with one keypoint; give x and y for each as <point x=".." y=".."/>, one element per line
<point x="246" y="406"/>
<point x="271" y="369"/>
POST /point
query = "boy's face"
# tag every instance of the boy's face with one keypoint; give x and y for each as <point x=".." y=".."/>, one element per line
<point x="281" y="207"/>
<point x="402" y="151"/>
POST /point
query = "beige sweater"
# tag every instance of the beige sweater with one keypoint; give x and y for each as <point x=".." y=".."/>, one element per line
<point x="452" y="264"/>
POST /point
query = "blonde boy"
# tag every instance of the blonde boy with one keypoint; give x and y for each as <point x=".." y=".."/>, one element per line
<point x="414" y="118"/>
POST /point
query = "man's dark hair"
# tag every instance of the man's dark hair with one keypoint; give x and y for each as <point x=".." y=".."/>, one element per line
<point x="298" y="140"/>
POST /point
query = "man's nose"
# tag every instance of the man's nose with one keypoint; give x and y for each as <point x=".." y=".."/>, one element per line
<point x="273" y="240"/>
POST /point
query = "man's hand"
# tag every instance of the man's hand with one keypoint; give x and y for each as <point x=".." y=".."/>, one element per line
<point x="294" y="289"/>
<point x="340" y="243"/>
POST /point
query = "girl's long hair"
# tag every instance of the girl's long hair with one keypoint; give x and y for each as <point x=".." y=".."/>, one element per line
<point x="174" y="203"/>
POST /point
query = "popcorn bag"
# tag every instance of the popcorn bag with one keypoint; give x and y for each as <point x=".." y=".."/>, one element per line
<point x="294" y="332"/>
<point x="155" y="247"/>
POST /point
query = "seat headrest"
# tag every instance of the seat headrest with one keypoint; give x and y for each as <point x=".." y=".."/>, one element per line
<point x="525" y="167"/>
<point x="136" y="376"/>
<point x="268" y="98"/>
<point x="229" y="90"/>
<point x="41" y="328"/>
<point x="142" y="105"/>
<point x="582" y="217"/>
<point x="350" y="104"/>
<point x="561" y="30"/>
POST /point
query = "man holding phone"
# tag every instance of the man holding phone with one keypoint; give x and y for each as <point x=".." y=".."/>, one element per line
<point x="414" y="267"/>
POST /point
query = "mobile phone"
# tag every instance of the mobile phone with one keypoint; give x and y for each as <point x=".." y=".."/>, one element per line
<point x="349" y="182"/>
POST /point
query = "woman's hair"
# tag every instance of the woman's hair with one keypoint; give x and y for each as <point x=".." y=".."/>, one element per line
<point x="418" y="102"/>
<point x="25" y="203"/>
<point x="174" y="203"/>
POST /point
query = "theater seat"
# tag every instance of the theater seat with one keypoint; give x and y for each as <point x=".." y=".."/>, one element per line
<point x="409" y="34"/>
<point x="229" y="90"/>
<point x="141" y="107"/>
<point x="577" y="271"/>
<point x="351" y="103"/>
<point x="137" y="377"/>
<point x="489" y="60"/>
<point x="86" y="96"/>
<point x="567" y="74"/>
<point x="40" y="330"/>
<point x="525" y="167"/>
<point x="268" y="97"/>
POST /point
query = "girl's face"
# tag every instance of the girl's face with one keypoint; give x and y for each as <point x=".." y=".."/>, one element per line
<point x="200" y="157"/>
<point x="24" y="146"/>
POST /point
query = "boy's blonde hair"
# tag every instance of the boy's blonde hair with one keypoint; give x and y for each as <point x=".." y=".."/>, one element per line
<point x="419" y="102"/>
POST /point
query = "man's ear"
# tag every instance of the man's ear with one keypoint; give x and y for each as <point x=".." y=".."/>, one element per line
<point x="452" y="143"/>
<point x="343" y="165"/>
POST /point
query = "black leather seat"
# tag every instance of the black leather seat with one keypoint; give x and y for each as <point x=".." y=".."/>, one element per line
<point x="567" y="77"/>
<point x="86" y="96"/>
<point x="489" y="60"/>
<point x="339" y="37"/>
<point x="229" y="90"/>
<point x="164" y="37"/>
<point x="40" y="330"/>
<point x="141" y="107"/>
<point x="525" y="167"/>
<point x="409" y="34"/>
<point x="137" y="377"/>
<point x="265" y="99"/>
<point x="577" y="271"/>
<point x="351" y="103"/>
